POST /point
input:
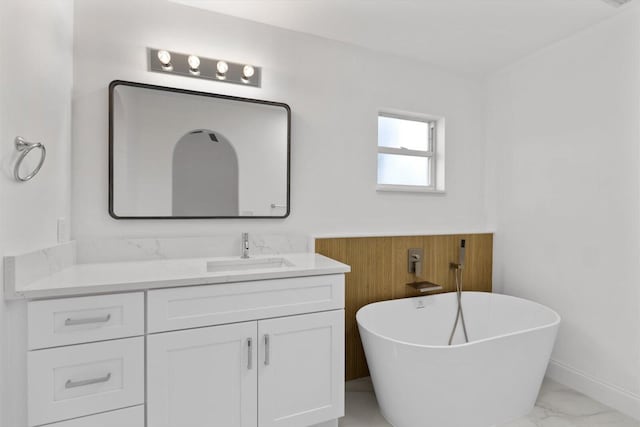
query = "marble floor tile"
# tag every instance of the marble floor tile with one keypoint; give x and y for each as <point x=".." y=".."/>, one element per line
<point x="557" y="406"/>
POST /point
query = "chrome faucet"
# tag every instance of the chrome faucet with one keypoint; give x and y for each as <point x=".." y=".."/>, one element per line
<point x="245" y="246"/>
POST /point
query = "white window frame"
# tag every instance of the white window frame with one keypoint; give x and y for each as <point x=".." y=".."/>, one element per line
<point x="435" y="152"/>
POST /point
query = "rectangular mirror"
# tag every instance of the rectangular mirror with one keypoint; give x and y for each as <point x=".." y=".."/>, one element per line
<point x="181" y="154"/>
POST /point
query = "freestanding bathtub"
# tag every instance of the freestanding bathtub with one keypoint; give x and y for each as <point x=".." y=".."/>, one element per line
<point x="420" y="381"/>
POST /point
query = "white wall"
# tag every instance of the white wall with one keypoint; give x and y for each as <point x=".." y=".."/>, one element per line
<point x="334" y="90"/>
<point x="564" y="148"/>
<point x="35" y="102"/>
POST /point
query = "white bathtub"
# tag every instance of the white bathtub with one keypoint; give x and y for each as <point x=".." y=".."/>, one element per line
<point x="421" y="382"/>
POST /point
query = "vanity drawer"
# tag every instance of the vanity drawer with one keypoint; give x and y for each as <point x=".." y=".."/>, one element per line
<point x="67" y="321"/>
<point x="130" y="417"/>
<point x="195" y="306"/>
<point x="84" y="379"/>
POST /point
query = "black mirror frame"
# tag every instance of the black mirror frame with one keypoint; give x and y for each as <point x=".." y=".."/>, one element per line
<point x="116" y="83"/>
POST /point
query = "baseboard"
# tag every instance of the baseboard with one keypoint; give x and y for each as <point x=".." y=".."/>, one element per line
<point x="611" y="395"/>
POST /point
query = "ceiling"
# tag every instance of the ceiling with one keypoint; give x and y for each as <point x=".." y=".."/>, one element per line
<point x="465" y="36"/>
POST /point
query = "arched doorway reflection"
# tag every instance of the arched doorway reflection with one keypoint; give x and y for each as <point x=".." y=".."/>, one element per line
<point x="204" y="175"/>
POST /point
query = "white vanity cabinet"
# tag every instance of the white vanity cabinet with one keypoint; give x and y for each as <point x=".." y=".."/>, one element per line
<point x="263" y="353"/>
<point x="286" y="371"/>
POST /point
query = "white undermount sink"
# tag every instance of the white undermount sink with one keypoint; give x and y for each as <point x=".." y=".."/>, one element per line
<point x="240" y="265"/>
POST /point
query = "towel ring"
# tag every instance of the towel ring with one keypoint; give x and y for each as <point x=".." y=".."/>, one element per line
<point x="25" y="148"/>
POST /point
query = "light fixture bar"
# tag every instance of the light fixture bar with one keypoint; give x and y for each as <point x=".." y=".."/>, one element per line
<point x="189" y="65"/>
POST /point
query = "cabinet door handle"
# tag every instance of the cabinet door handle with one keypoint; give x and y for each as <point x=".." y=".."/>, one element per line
<point x="266" y="349"/>
<point x="82" y="383"/>
<point x="249" y="353"/>
<point x="87" y="320"/>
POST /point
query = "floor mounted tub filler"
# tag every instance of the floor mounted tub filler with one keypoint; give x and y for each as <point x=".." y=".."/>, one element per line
<point x="420" y="381"/>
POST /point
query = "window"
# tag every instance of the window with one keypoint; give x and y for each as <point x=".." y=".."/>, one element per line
<point x="409" y="153"/>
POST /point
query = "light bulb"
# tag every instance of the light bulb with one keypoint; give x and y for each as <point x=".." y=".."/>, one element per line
<point x="194" y="64"/>
<point x="248" y="71"/>
<point x="222" y="68"/>
<point x="165" y="59"/>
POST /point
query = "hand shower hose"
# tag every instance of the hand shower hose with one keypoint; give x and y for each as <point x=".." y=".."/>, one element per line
<point x="460" y="313"/>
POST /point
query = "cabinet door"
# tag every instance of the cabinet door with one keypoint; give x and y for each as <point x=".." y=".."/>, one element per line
<point x="301" y="372"/>
<point x="203" y="377"/>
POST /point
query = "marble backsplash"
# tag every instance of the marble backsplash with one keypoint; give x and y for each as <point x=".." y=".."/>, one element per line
<point x="117" y="250"/>
<point x="22" y="269"/>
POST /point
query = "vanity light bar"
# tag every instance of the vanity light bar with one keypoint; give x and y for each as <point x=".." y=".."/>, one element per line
<point x="168" y="62"/>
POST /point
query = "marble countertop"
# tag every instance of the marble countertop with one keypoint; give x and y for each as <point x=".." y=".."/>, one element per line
<point x="105" y="277"/>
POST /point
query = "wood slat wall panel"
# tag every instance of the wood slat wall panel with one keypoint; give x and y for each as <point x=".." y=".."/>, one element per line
<point x="379" y="272"/>
<point x="370" y="260"/>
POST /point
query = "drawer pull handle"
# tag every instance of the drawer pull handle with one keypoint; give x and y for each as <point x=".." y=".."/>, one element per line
<point x="266" y="349"/>
<point x="82" y="383"/>
<point x="88" y="320"/>
<point x="250" y="353"/>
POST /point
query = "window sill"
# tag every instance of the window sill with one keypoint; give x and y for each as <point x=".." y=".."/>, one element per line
<point x="408" y="189"/>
